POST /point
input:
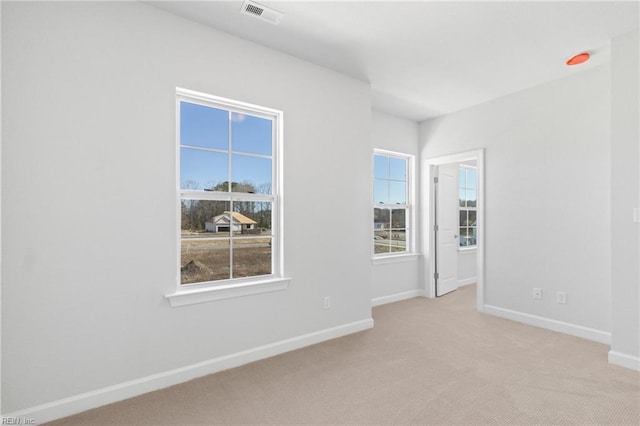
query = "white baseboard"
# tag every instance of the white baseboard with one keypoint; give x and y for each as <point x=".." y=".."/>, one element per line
<point x="624" y="360"/>
<point x="467" y="281"/>
<point x="550" y="324"/>
<point x="86" y="401"/>
<point x="397" y="297"/>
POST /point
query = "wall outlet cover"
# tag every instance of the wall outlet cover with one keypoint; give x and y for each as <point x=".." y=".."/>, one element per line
<point x="537" y="293"/>
<point x="561" y="297"/>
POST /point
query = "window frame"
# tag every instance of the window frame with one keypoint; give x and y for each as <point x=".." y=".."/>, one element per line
<point x="408" y="206"/>
<point x="233" y="287"/>
<point x="467" y="209"/>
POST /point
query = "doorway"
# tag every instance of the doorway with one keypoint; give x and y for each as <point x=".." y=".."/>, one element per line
<point x="455" y="233"/>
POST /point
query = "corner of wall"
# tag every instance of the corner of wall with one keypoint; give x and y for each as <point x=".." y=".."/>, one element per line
<point x="625" y="197"/>
<point x="1" y="4"/>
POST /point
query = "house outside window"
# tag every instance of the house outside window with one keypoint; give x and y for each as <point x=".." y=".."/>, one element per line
<point x="467" y="207"/>
<point x="392" y="204"/>
<point x="228" y="185"/>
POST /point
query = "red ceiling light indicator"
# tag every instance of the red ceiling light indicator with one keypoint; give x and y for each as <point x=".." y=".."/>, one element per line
<point x="579" y="59"/>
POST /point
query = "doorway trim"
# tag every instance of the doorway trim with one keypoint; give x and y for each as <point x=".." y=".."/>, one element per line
<point x="428" y="217"/>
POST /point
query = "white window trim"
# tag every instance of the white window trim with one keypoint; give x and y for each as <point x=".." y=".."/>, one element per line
<point x="410" y="253"/>
<point x="207" y="293"/>
<point x="395" y="258"/>
<point x="187" y="294"/>
<point x="475" y="246"/>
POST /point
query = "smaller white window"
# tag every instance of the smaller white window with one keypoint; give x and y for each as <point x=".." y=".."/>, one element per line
<point x="392" y="203"/>
<point x="468" y="202"/>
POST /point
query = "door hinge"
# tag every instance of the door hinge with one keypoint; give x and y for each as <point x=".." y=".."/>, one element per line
<point x="435" y="227"/>
<point x="436" y="275"/>
<point x="435" y="179"/>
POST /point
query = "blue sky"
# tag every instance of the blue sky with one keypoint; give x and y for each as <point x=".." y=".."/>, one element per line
<point x="207" y="128"/>
<point x="467" y="185"/>
<point x="390" y="180"/>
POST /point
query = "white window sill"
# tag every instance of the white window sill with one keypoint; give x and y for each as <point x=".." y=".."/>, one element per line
<point x="398" y="258"/>
<point x="190" y="296"/>
<point x="474" y="248"/>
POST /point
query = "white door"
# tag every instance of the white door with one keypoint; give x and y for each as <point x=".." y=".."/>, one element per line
<point x="446" y="229"/>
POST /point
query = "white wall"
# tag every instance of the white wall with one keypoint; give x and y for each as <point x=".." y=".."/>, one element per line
<point x="88" y="137"/>
<point x="396" y="280"/>
<point x="467" y="266"/>
<point x="1" y="325"/>
<point x="547" y="195"/>
<point x="625" y="196"/>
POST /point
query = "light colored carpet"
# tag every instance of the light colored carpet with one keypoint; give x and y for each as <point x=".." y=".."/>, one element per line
<point x="427" y="361"/>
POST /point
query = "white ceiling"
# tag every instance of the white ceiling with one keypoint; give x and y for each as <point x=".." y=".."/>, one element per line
<point x="425" y="59"/>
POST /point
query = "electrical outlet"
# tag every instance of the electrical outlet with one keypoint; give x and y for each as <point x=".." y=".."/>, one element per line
<point x="327" y="302"/>
<point x="561" y="297"/>
<point x="537" y="293"/>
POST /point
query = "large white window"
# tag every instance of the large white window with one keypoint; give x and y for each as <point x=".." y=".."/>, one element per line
<point x="228" y="185"/>
<point x="467" y="198"/>
<point x="392" y="204"/>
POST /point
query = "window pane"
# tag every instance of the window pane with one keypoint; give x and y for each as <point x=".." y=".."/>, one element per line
<point x="398" y="240"/>
<point x="251" y="173"/>
<point x="462" y="197"/>
<point x="202" y="169"/>
<point x="473" y="236"/>
<point x="472" y="218"/>
<point x="204" y="126"/>
<point x="381" y="218"/>
<point x="381" y="242"/>
<point x="250" y="134"/>
<point x="399" y="218"/>
<point x="471" y="198"/>
<point x="380" y="167"/>
<point x="204" y="258"/>
<point x="464" y="238"/>
<point x="471" y="179"/>
<point x="252" y="218"/>
<point x="397" y="248"/>
<point x="397" y="169"/>
<point x="381" y="191"/>
<point x="462" y="173"/>
<point x="251" y="257"/>
<point x="204" y="216"/>
<point x="463" y="218"/>
<point x="397" y="192"/>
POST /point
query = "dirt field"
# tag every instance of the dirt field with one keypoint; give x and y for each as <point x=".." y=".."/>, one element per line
<point x="385" y="241"/>
<point x="207" y="258"/>
<point x="386" y="248"/>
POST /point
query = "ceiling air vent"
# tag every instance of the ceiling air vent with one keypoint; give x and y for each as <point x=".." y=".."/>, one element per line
<point x="265" y="13"/>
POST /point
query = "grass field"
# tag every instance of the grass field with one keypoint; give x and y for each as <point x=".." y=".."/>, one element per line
<point x="207" y="257"/>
